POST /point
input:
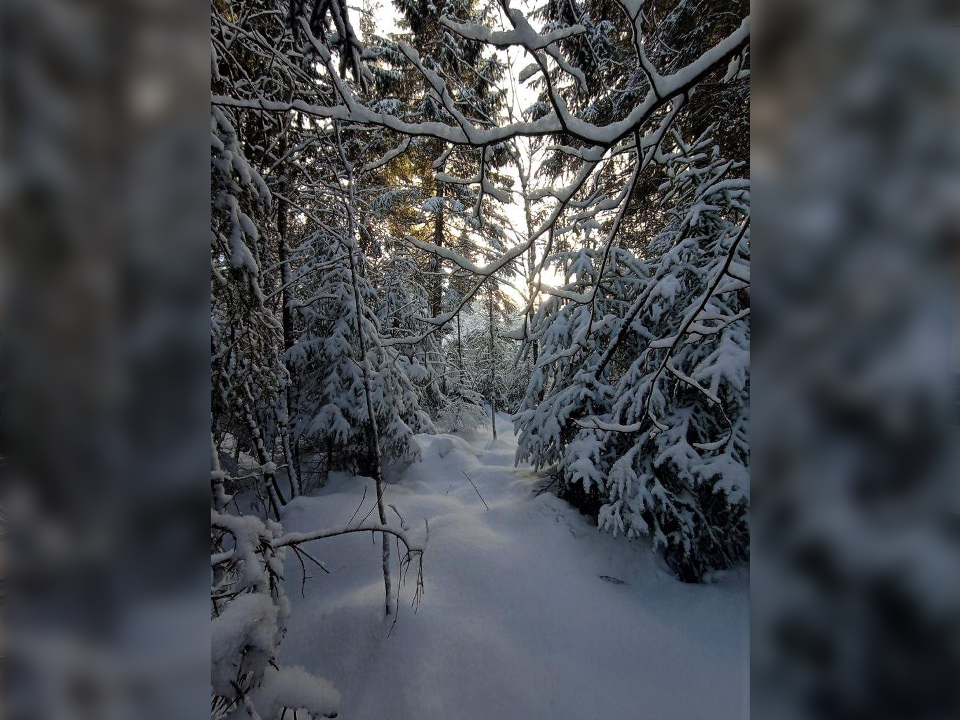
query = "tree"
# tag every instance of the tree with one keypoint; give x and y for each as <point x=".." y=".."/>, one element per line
<point x="648" y="420"/>
<point x="243" y="330"/>
<point x="338" y="338"/>
<point x="435" y="203"/>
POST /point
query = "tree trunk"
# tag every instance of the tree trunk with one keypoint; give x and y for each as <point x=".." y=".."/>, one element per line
<point x="328" y="467"/>
<point x="493" y="389"/>
<point x="261" y="452"/>
<point x="372" y="431"/>
<point x="286" y="314"/>
<point x="438" y="390"/>
<point x="436" y="277"/>
<point x="531" y="262"/>
<point x="460" y="351"/>
<point x="219" y="495"/>
<point x="283" y="418"/>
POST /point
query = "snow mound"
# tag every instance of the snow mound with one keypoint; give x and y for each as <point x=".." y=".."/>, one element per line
<point x="450" y="450"/>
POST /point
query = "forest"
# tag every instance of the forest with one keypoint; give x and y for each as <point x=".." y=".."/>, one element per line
<point x="480" y="291"/>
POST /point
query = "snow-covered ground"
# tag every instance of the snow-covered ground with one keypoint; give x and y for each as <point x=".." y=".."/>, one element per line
<point x="528" y="612"/>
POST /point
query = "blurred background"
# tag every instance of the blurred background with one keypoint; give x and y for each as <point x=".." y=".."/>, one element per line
<point x="104" y="335"/>
<point x="854" y="546"/>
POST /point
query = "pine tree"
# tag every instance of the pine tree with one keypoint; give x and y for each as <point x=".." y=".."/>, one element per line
<point x="332" y="413"/>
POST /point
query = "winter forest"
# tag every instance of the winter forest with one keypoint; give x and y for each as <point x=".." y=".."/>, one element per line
<point x="480" y="343"/>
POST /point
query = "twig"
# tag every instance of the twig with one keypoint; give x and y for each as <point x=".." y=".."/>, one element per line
<point x="546" y="487"/>
<point x="359" y="506"/>
<point x="311" y="557"/>
<point x="369" y="513"/>
<point x="403" y="525"/>
<point x="303" y="574"/>
<point x="478" y="492"/>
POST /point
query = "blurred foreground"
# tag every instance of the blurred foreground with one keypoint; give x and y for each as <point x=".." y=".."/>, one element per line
<point x="105" y="372"/>
<point x="856" y="152"/>
<point x="105" y="335"/>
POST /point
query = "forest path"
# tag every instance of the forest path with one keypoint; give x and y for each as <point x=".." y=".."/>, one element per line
<point x="528" y="611"/>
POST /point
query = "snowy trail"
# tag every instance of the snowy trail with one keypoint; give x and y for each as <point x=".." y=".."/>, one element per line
<point x="516" y="621"/>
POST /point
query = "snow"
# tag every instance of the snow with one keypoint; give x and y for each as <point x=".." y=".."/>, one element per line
<point x="529" y="611"/>
<point x="739" y="271"/>
<point x="292" y="687"/>
<point x="247" y="628"/>
<point x="528" y="72"/>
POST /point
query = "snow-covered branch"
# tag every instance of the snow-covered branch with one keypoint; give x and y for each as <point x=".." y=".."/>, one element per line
<point x="305" y="537"/>
<point x="522" y="35"/>
<point x="559" y="122"/>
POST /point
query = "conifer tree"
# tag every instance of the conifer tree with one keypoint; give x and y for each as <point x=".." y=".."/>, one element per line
<point x="332" y="415"/>
<point x="647" y="421"/>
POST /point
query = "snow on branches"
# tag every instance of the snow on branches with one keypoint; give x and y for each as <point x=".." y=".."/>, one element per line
<point x="643" y="402"/>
